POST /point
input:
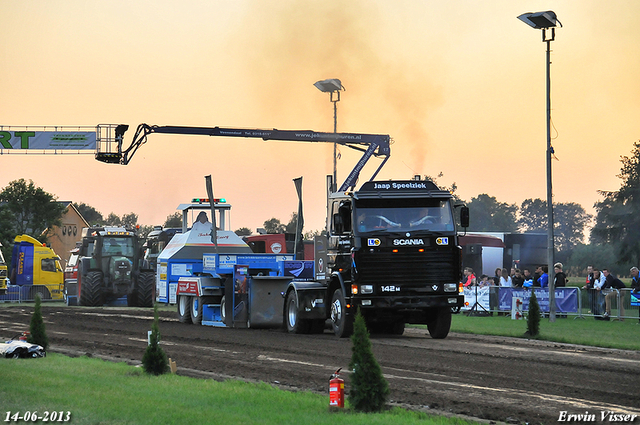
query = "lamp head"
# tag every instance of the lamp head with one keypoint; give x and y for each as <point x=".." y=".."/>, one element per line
<point x="328" y="86"/>
<point x="540" y="20"/>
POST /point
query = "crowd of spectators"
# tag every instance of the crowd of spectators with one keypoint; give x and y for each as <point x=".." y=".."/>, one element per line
<point x="602" y="286"/>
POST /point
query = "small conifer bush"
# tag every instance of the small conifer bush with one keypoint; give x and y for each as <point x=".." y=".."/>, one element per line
<point x="369" y="390"/>
<point x="155" y="360"/>
<point x="38" y="333"/>
<point x="533" y="318"/>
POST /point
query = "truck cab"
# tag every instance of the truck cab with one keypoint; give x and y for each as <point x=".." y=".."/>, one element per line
<point x="392" y="251"/>
<point x="33" y="263"/>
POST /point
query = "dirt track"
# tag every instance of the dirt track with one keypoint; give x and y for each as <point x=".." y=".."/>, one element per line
<point x="503" y="379"/>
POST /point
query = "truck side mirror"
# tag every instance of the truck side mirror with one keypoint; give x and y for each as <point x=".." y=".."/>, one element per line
<point x="464" y="216"/>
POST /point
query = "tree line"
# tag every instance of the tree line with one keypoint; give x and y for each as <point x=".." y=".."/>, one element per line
<point x="614" y="239"/>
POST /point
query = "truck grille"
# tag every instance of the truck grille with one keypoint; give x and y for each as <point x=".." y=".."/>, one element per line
<point x="3" y="273"/>
<point x="408" y="269"/>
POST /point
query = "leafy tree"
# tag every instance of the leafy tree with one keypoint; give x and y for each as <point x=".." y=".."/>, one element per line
<point x="569" y="223"/>
<point x="273" y="225"/>
<point x="144" y="231"/>
<point x="173" y="220"/>
<point x="113" y="220"/>
<point x="533" y="216"/>
<point x="89" y="213"/>
<point x="533" y="318"/>
<point x="308" y="236"/>
<point x="155" y="361"/>
<point x="243" y="231"/>
<point x="37" y="331"/>
<point x="129" y="220"/>
<point x="29" y="210"/>
<point x="618" y="214"/>
<point x="293" y="223"/>
<point x="490" y="215"/>
<point x="369" y="388"/>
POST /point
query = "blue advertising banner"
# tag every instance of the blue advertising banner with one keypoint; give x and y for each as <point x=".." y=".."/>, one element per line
<point x="566" y="299"/>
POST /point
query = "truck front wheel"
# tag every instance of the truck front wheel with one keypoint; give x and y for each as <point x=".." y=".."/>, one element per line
<point x="439" y="322"/>
<point x="184" y="307"/>
<point x="342" y="324"/>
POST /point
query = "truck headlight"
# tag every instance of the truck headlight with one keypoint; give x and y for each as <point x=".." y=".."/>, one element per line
<point x="366" y="289"/>
<point x="450" y="287"/>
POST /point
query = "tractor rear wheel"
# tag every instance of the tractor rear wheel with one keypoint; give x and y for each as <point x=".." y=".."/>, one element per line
<point x="91" y="289"/>
<point x="145" y="287"/>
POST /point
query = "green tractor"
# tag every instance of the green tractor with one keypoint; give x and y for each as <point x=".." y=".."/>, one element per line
<point x="111" y="266"/>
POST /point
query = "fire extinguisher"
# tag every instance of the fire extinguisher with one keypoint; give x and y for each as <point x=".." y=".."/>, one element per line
<point x="336" y="390"/>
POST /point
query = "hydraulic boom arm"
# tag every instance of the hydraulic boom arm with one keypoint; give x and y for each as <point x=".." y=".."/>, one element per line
<point x="369" y="144"/>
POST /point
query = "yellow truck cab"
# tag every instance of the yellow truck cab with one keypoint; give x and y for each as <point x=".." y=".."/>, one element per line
<point x="3" y="274"/>
<point x="33" y="263"/>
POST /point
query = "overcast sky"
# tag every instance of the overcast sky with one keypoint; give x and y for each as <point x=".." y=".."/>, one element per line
<point x="458" y="85"/>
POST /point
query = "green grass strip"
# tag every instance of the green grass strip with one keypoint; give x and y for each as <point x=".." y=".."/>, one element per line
<point x="100" y="392"/>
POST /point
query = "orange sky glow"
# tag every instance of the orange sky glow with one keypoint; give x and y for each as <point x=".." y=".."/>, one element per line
<point x="458" y="85"/>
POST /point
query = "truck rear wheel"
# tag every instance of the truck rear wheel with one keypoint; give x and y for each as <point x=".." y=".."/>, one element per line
<point x="342" y="324"/>
<point x="184" y="309"/>
<point x="145" y="288"/>
<point x="196" y="310"/>
<point x="91" y="289"/>
<point x="292" y="321"/>
<point x="439" y="322"/>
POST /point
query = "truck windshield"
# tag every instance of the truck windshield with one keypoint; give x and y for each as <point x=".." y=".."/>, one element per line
<point x="118" y="246"/>
<point x="433" y="215"/>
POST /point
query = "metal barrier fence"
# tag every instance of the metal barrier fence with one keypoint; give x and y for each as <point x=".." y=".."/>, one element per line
<point x="27" y="293"/>
<point x="621" y="304"/>
<point x="570" y="301"/>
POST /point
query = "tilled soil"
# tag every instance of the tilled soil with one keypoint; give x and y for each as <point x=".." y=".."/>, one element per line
<point x="495" y="378"/>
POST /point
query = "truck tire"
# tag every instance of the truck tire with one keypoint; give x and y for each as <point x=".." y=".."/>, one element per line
<point x="396" y="328"/>
<point x="439" y="322"/>
<point x="145" y="288"/>
<point x="342" y="324"/>
<point x="292" y="321"/>
<point x="184" y="309"/>
<point x="196" y="310"/>
<point x="223" y="310"/>
<point x="91" y="290"/>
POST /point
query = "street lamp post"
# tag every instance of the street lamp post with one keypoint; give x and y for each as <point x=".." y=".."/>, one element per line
<point x="547" y="21"/>
<point x="332" y="86"/>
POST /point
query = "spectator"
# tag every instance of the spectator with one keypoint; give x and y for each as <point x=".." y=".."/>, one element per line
<point x="505" y="279"/>
<point x="635" y="285"/>
<point x="528" y="279"/>
<point x="484" y="281"/>
<point x="597" y="300"/>
<point x="469" y="278"/>
<point x="588" y="286"/>
<point x="611" y="282"/>
<point x="560" y="280"/>
<point x="536" y="275"/>
<point x="497" y="277"/>
<point x="543" y="280"/>
<point x="517" y="280"/>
